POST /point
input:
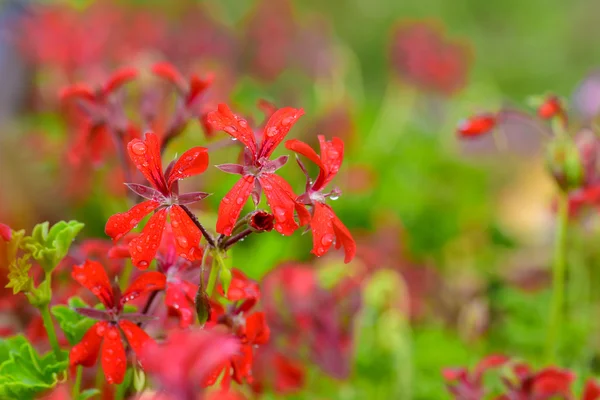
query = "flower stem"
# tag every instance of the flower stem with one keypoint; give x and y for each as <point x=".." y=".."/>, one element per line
<point x="49" y="326"/>
<point x="558" y="277"/>
<point x="215" y="269"/>
<point x="77" y="384"/>
<point x="235" y="238"/>
<point x="209" y="238"/>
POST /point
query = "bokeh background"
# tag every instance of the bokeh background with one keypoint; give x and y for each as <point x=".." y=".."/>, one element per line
<point x="454" y="237"/>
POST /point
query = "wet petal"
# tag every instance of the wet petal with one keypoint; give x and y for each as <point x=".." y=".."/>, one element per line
<point x="281" y="199"/>
<point x="119" y="224"/>
<point x="136" y="337"/>
<point x="344" y="239"/>
<point x="145" y="154"/>
<point x="119" y="78"/>
<point x="232" y="204"/>
<point x="92" y="276"/>
<point x="305" y="150"/>
<point x="143" y="248"/>
<point x="322" y="229"/>
<point x="186" y="234"/>
<point x="192" y="162"/>
<point x="178" y="303"/>
<point x="148" y="282"/>
<point x="114" y="360"/>
<point x="224" y="120"/>
<point x="86" y="352"/>
<point x="277" y="128"/>
<point x="332" y="155"/>
<point x="257" y="330"/>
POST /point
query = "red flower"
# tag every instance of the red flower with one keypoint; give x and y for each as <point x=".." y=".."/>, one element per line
<point x="477" y="125"/>
<point x="99" y="94"/>
<point x="325" y="225"/>
<point x="551" y="107"/>
<point x="261" y="221"/>
<point x="191" y="89"/>
<point x="251" y="330"/>
<point x="591" y="390"/>
<point x="258" y="170"/>
<point x="545" y="384"/>
<point x="106" y="335"/>
<point x="5" y="232"/>
<point x="192" y="356"/>
<point x="468" y="386"/>
<point x="164" y="197"/>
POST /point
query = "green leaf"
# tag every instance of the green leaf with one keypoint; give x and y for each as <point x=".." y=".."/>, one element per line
<point x="50" y="245"/>
<point x="23" y="372"/>
<point x="88" y="394"/>
<point x="74" y="325"/>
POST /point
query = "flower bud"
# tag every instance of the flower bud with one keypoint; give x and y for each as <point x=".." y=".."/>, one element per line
<point x="261" y="221"/>
<point x="564" y="163"/>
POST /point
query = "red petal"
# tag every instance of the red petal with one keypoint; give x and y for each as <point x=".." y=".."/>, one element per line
<point x="332" y="154"/>
<point x="232" y="204"/>
<point x="119" y="78"/>
<point x="241" y="288"/>
<point x="281" y="199"/>
<point x="167" y="71"/>
<point x="136" y="337"/>
<point x="143" y="248"/>
<point x="550" y="108"/>
<point x="591" y="391"/>
<point x="242" y="365"/>
<point x="145" y="154"/>
<point x="552" y="382"/>
<point x="211" y="377"/>
<point x="187" y="235"/>
<point x="454" y="374"/>
<point x="344" y="239"/>
<point x="5" y="232"/>
<point x="86" y="352"/>
<point x="266" y="107"/>
<point x="304" y="149"/>
<point x="178" y="302"/>
<point x="92" y="276"/>
<point x="148" y="282"/>
<point x="277" y="128"/>
<point x="322" y="229"/>
<point x="224" y="120"/>
<point x="477" y="125"/>
<point x="114" y="360"/>
<point x="192" y="162"/>
<point x="198" y="86"/>
<point x="77" y="91"/>
<point x="257" y="331"/>
<point x="119" y="224"/>
<point x="303" y="214"/>
<point x="489" y="362"/>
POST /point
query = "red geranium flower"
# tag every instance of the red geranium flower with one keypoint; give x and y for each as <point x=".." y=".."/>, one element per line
<point x="547" y="383"/>
<point x="164" y="197"/>
<point x="325" y="225"/>
<point x="191" y="89"/>
<point x="251" y="329"/>
<point x="106" y="334"/>
<point x="258" y="170"/>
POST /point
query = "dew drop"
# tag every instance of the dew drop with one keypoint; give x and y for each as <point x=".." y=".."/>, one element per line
<point x="326" y="240"/>
<point x="100" y="330"/>
<point x="139" y="148"/>
<point x="139" y="248"/>
<point x="334" y="197"/>
<point x="174" y="224"/>
<point x="143" y="264"/>
<point x="113" y="334"/>
<point x="272" y="131"/>
<point x="230" y="129"/>
<point x="96" y="290"/>
<point x="287" y="121"/>
<point x="226" y="200"/>
<point x="333" y="153"/>
<point x="243" y="123"/>
<point x="240" y="200"/>
<point x="182" y="241"/>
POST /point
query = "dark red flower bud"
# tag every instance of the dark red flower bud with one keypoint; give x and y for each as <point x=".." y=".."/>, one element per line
<point x="477" y="125"/>
<point x="550" y="108"/>
<point x="261" y="221"/>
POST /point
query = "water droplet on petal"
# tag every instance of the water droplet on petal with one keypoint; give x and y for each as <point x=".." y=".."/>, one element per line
<point x="334" y="197"/>
<point x="272" y="131"/>
<point x="287" y="121"/>
<point x="113" y="334"/>
<point x="174" y="223"/>
<point x="182" y="241"/>
<point x="230" y="129"/>
<point x="240" y="200"/>
<point x="333" y="153"/>
<point x="243" y="123"/>
<point x="226" y="200"/>
<point x="326" y="240"/>
<point x="139" y="148"/>
<point x="100" y="330"/>
<point x="143" y="264"/>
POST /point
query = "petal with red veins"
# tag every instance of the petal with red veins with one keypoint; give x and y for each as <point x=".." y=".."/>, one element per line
<point x="114" y="360"/>
<point x="344" y="239"/>
<point x="304" y="149"/>
<point x="136" y="337"/>
<point x="224" y="120"/>
<point x="86" y="352"/>
<point x="231" y="205"/>
<point x="119" y="78"/>
<point x="332" y="154"/>
<point x="281" y="199"/>
<point x="177" y="301"/>
<point x="119" y="224"/>
<point x="143" y="247"/>
<point x="192" y="162"/>
<point x="92" y="276"/>
<point x="148" y="282"/>
<point x="322" y="229"/>
<point x="277" y="128"/>
<point x="145" y="154"/>
<point x="187" y="235"/>
<point x="5" y="232"/>
<point x="257" y="330"/>
<point x="77" y="91"/>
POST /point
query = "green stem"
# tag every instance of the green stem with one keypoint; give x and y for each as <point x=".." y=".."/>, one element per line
<point x="217" y="264"/>
<point x="49" y="325"/>
<point x="77" y="384"/>
<point x="558" y="278"/>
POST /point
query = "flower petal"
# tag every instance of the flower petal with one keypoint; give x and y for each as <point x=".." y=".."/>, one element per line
<point x="146" y="192"/>
<point x="197" y="87"/>
<point x="148" y="282"/>
<point x="136" y="337"/>
<point x="5" y="232"/>
<point x="322" y="229"/>
<point x="119" y="78"/>
<point x="332" y="154"/>
<point x="114" y="360"/>
<point x="477" y="125"/>
<point x="178" y="303"/>
<point x="232" y="204"/>
<point x="77" y="90"/>
<point x="168" y="72"/>
<point x="145" y="154"/>
<point x="192" y="162"/>
<point x="257" y="330"/>
<point x="344" y="238"/>
<point x="143" y="247"/>
<point x="191" y="197"/>
<point x="86" y="352"/>
<point x="187" y="235"/>
<point x="281" y="199"/>
<point x="92" y="276"/>
<point x="224" y="120"/>
<point x="277" y="128"/>
<point x="591" y="391"/>
<point x="307" y="151"/>
<point x="119" y="224"/>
